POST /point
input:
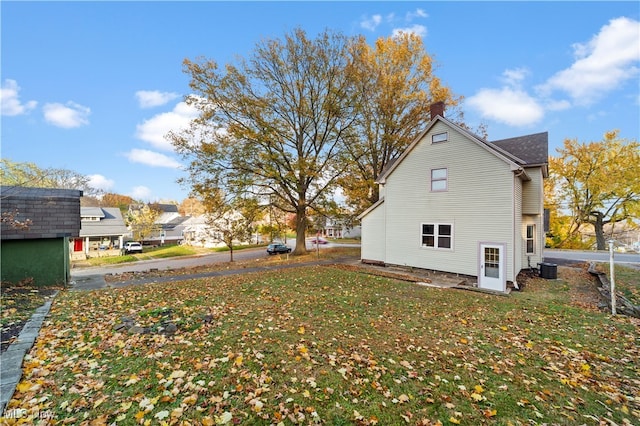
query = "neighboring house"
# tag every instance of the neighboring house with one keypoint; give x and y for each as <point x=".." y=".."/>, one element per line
<point x="170" y="225"/>
<point x="168" y="212"/>
<point x="169" y="232"/>
<point x="41" y="250"/>
<point x="456" y="203"/>
<point x="337" y="228"/>
<point x="199" y="233"/>
<point x="102" y="233"/>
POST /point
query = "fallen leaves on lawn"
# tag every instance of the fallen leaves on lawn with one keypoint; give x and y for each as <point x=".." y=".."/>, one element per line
<point x="319" y="345"/>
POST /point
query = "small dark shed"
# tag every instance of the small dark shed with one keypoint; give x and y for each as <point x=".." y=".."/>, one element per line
<point x="39" y="251"/>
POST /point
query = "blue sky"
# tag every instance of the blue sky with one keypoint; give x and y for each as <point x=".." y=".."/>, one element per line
<point x="93" y="86"/>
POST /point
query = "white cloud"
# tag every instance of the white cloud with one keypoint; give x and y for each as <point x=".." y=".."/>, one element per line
<point x="66" y="116"/>
<point x="557" y="105"/>
<point x="10" y="99"/>
<point x="140" y="193"/>
<point x="154" y="98"/>
<point x="508" y="105"/>
<point x="371" y="23"/>
<point x="100" y="182"/>
<point x="514" y="77"/>
<point x="609" y="59"/>
<point x="154" y="129"/>
<point x="152" y="158"/>
<point x="419" y="30"/>
<point x="418" y="13"/>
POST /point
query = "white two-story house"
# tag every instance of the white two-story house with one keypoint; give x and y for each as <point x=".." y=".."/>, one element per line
<point x="456" y="203"/>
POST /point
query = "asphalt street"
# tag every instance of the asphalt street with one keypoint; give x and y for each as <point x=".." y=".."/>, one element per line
<point x="563" y="256"/>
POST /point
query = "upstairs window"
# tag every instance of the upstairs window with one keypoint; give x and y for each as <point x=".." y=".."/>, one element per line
<point x="438" y="179"/>
<point x="440" y="137"/>
<point x="437" y="235"/>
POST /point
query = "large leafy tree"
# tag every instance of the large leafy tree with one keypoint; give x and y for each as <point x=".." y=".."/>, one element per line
<point x="273" y="125"/>
<point x="599" y="183"/>
<point x="397" y="81"/>
<point x="30" y="175"/>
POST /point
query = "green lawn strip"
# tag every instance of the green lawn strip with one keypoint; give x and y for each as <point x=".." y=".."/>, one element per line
<point x="148" y="253"/>
<point x="320" y="344"/>
<point x="627" y="281"/>
<point x="111" y="260"/>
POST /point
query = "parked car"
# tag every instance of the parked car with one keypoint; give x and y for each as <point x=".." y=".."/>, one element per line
<point x="318" y="241"/>
<point x="278" y="248"/>
<point x="132" y="247"/>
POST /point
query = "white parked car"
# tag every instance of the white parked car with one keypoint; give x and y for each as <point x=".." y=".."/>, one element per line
<point x="132" y="247"/>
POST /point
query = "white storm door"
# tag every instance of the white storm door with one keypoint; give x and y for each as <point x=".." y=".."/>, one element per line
<point x="491" y="275"/>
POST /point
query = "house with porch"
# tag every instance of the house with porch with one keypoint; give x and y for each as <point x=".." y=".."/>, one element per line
<point x="456" y="203"/>
<point x="102" y="234"/>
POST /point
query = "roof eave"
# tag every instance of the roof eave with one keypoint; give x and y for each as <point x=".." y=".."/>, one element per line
<point x="372" y="207"/>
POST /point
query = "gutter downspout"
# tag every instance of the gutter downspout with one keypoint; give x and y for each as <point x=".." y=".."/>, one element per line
<point x="514" y="234"/>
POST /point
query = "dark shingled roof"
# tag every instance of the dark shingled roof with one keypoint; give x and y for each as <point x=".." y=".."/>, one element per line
<point x="532" y="149"/>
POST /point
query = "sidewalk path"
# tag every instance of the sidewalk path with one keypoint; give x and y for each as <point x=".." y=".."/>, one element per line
<point x="11" y="359"/>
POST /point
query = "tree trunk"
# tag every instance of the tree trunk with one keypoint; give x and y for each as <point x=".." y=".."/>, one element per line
<point x="231" y="252"/>
<point x="598" y="227"/>
<point x="375" y="194"/>
<point x="301" y="229"/>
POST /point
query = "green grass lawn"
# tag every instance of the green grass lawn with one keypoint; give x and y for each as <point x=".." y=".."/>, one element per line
<point x="627" y="281"/>
<point x="324" y="345"/>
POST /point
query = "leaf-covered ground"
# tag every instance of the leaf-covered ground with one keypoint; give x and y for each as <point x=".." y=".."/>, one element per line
<point x="17" y="304"/>
<point x="324" y="345"/>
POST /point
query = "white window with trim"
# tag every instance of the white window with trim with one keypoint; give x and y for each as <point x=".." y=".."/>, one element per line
<point x="440" y="137"/>
<point x="531" y="239"/>
<point x="437" y="235"/>
<point x="439" y="180"/>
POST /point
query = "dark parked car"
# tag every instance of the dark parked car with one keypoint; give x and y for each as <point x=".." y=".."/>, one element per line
<point x="278" y="248"/>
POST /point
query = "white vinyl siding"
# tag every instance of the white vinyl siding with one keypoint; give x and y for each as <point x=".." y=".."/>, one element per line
<point x="532" y="192"/>
<point x="478" y="202"/>
<point x="532" y="214"/>
<point x="531" y="260"/>
<point x="516" y="261"/>
<point x="373" y="235"/>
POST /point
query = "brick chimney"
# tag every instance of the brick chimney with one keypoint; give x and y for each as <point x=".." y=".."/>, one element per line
<point x="437" y="108"/>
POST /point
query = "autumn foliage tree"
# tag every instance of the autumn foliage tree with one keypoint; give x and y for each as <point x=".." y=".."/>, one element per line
<point x="142" y="221"/>
<point x="191" y="207"/>
<point x="398" y="85"/>
<point x="275" y="124"/>
<point x="598" y="183"/>
<point x="122" y="202"/>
